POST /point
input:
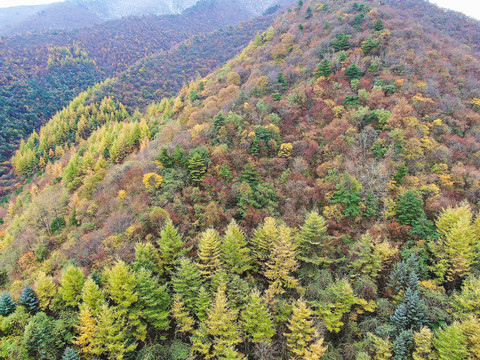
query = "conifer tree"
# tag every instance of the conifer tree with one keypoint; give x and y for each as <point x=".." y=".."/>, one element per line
<point x="7" y="305"/>
<point x="171" y="245"/>
<point x="450" y="343"/>
<point x="222" y="324"/>
<point x="186" y="283"/>
<point x="353" y="72"/>
<point x="209" y="251"/>
<point x="87" y="327"/>
<point x="203" y="304"/>
<point x="257" y="321"/>
<point x="409" y="208"/>
<point x="302" y="338"/>
<point x="70" y="354"/>
<point x="92" y="296"/>
<point x="197" y="168"/>
<point x="29" y="300"/>
<point x="282" y="262"/>
<point x="312" y="239"/>
<point x="147" y="257"/>
<point x="324" y="68"/>
<point x="262" y="241"/>
<point x="121" y="286"/>
<point x="235" y="253"/>
<point x="112" y="335"/>
<point x="46" y="290"/>
<point x="183" y="318"/>
<point x="39" y="337"/>
<point x="402" y="345"/>
<point x="71" y="285"/>
<point x="378" y="25"/>
<point x="423" y="344"/>
<point x="154" y="300"/>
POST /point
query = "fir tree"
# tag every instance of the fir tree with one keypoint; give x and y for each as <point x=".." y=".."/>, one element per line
<point x="70" y="354"/>
<point x="353" y="72"/>
<point x="218" y="121"/>
<point x="171" y="245"/>
<point x="378" y="25"/>
<point x="402" y="346"/>
<point x="209" y="252"/>
<point x="235" y="254"/>
<point x="7" y="305"/>
<point x="257" y="321"/>
<point x="262" y="242"/>
<point x="409" y="208"/>
<point x="71" y="284"/>
<point x="250" y="175"/>
<point x="29" y="300"/>
<point x="341" y="42"/>
<point x="324" y="68"/>
<point x="309" y="13"/>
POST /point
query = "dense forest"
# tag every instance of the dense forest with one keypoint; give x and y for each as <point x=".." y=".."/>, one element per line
<point x="316" y="197"/>
<point x="40" y="73"/>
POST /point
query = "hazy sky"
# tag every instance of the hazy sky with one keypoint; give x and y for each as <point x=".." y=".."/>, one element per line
<point x="469" y="7"/>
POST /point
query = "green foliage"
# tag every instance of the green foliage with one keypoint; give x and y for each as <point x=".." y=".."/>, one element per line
<point x="341" y="42"/>
<point x="171" y="246"/>
<point x="70" y="354"/>
<point x="7" y="305"/>
<point x="353" y="72"/>
<point x="197" y="168"/>
<point x="186" y="283"/>
<point x="257" y="321"/>
<point x="324" y="68"/>
<point x="409" y="208"/>
<point x="209" y="253"/>
<point x="29" y="300"/>
<point x="369" y="46"/>
<point x="348" y="193"/>
<point x="450" y="344"/>
<point x="312" y="240"/>
<point x="234" y="251"/>
<point x="378" y="25"/>
<point x="39" y="337"/>
<point x="71" y="282"/>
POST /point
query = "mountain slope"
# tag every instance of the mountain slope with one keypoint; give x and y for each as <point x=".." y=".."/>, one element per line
<point x="33" y="90"/>
<point x="324" y="184"/>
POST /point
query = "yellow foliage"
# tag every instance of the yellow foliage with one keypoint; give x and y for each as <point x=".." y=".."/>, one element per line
<point x="419" y="97"/>
<point x="122" y="194"/>
<point x="285" y="150"/>
<point x="152" y="181"/>
<point x="476" y="103"/>
<point x="337" y="110"/>
<point x="445" y="180"/>
<point x="333" y="212"/>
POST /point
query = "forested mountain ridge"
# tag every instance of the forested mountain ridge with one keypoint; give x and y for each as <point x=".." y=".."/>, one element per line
<point x="315" y="198"/>
<point x="42" y="72"/>
<point x="76" y="14"/>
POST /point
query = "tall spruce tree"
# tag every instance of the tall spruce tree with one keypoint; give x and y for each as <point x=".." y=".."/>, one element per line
<point x="29" y="300"/>
<point x="171" y="246"/>
<point x="71" y="284"/>
<point x="7" y="305"/>
<point x="257" y="320"/>
<point x="235" y="254"/>
<point x="209" y="253"/>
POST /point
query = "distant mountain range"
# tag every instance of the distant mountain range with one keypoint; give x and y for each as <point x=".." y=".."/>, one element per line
<point x="74" y="14"/>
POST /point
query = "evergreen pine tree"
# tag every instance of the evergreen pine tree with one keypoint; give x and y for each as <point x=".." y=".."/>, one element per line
<point x="257" y="321"/>
<point x="353" y="72"/>
<point x="29" y="300"/>
<point x="171" y="245"/>
<point x="402" y="346"/>
<point x="309" y="13"/>
<point x="324" y="68"/>
<point x="250" y="175"/>
<point x="378" y="25"/>
<point x="70" y="354"/>
<point x="235" y="254"/>
<point x="209" y="251"/>
<point x="218" y="121"/>
<point x="7" y="305"/>
<point x="409" y="208"/>
<point x="46" y="290"/>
